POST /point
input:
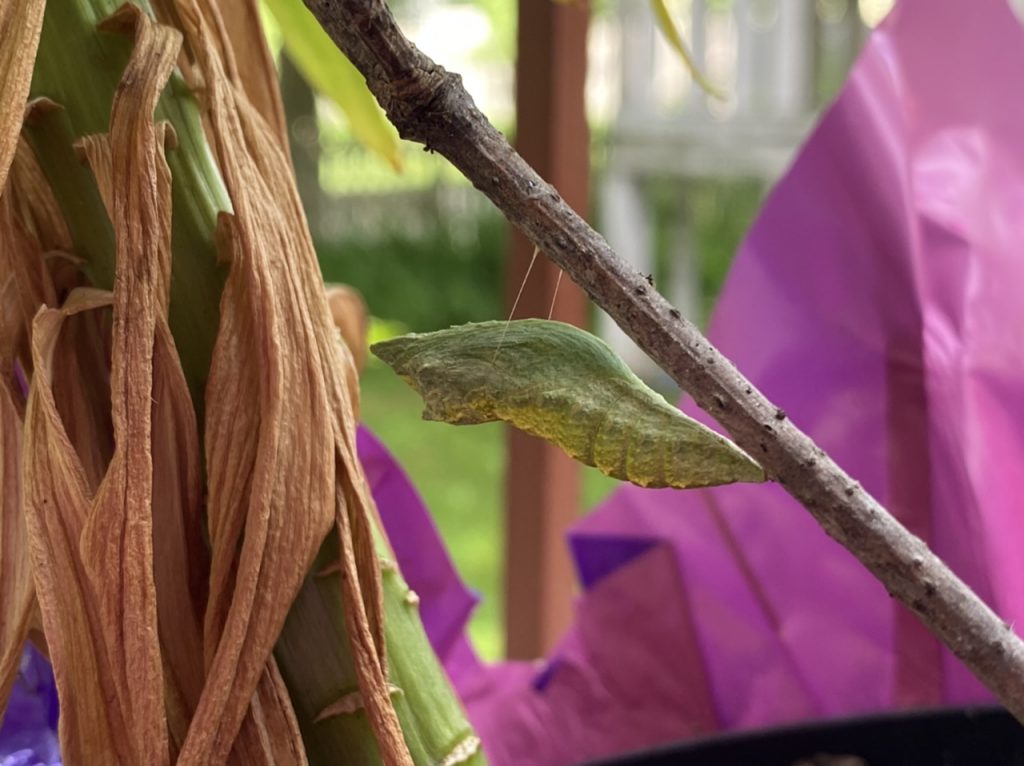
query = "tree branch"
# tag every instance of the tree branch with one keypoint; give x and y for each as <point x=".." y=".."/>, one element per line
<point x="430" y="106"/>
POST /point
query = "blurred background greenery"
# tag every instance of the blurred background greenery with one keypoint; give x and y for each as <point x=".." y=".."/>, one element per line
<point x="427" y="251"/>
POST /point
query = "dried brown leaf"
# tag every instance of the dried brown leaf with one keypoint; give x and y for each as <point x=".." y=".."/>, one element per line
<point x="21" y="22"/>
<point x="12" y="338"/>
<point x="34" y="203"/>
<point x="30" y="224"/>
<point x="24" y="261"/>
<point x="264" y="523"/>
<point x="348" y="704"/>
<point x="65" y="273"/>
<point x="181" y="561"/>
<point x="280" y="429"/>
<point x="95" y="152"/>
<point x="93" y="555"/>
<point x="180" y="558"/>
<point x="352" y="318"/>
<point x="28" y="214"/>
<point x="57" y="498"/>
<point x="253" y="64"/>
<point x="116" y="545"/>
<point x="80" y="370"/>
<point x="17" y="593"/>
<point x="273" y="713"/>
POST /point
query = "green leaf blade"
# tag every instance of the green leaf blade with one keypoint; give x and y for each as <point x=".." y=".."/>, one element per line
<point x="675" y="39"/>
<point x="566" y="386"/>
<point x="329" y="72"/>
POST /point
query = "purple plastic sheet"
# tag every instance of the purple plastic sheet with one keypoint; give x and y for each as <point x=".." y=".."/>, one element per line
<point x="28" y="736"/>
<point x="877" y="300"/>
<point x="445" y="603"/>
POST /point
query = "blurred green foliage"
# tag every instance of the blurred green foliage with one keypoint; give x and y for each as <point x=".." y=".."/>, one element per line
<point x="719" y="214"/>
<point x="449" y="274"/>
<point x="327" y="69"/>
<point x="346" y="167"/>
<point x="452" y="271"/>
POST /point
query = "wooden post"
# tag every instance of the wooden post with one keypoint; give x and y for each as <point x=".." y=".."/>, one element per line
<point x="543" y="485"/>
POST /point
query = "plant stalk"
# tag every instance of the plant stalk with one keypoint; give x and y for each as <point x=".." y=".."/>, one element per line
<point x="79" y="68"/>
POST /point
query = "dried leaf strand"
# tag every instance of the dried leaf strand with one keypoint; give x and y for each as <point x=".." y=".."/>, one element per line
<point x="265" y="429"/>
<point x="180" y="559"/>
<point x="117" y="541"/>
<point x="255" y="68"/>
<point x="17" y="593"/>
<point x="93" y="556"/>
<point x="57" y="498"/>
<point x="280" y="429"/>
<point x="28" y="215"/>
<point x="21" y="22"/>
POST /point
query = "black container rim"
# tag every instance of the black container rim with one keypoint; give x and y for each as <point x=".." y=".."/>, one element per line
<point x="981" y="735"/>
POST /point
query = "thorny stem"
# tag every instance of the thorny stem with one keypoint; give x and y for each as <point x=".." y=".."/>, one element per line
<point x="429" y="105"/>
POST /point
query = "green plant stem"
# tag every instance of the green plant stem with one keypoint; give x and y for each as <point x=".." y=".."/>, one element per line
<point x="79" y="68"/>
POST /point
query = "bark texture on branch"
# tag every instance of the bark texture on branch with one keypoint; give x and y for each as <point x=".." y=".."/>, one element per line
<point x="429" y="105"/>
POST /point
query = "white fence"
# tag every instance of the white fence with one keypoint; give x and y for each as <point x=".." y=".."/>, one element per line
<point x="776" y="61"/>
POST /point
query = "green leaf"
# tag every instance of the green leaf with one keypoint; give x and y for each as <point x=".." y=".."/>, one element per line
<point x="675" y="39"/>
<point x="558" y="382"/>
<point x="333" y="75"/>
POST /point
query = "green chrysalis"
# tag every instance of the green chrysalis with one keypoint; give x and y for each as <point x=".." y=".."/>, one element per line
<point x="565" y="385"/>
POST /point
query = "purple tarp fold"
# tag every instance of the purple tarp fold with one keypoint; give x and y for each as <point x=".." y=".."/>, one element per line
<point x="28" y="736"/>
<point x="445" y="603"/>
